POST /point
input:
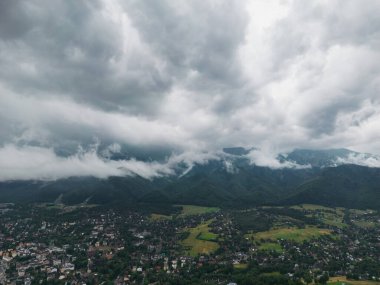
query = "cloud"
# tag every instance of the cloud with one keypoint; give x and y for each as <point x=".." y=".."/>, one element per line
<point x="42" y="163"/>
<point x="190" y="77"/>
<point x="111" y="150"/>
<point x="307" y="74"/>
<point x="65" y="121"/>
<point x="38" y="163"/>
<point x="87" y="51"/>
<point x="229" y="166"/>
<point x="265" y="158"/>
<point x="360" y="159"/>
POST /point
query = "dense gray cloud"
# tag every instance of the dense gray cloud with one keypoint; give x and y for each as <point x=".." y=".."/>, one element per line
<point x="86" y="50"/>
<point x="185" y="76"/>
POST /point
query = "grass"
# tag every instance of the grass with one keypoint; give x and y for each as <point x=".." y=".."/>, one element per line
<point x="207" y="236"/>
<point x="291" y="233"/>
<point x="365" y="224"/>
<point x="271" y="246"/>
<point x="189" y="210"/>
<point x="241" y="266"/>
<point x="328" y="216"/>
<point x="195" y="246"/>
<point x="361" y="212"/>
<point x="340" y="280"/>
<point x="334" y="219"/>
<point x="159" y="217"/>
<point x="65" y="208"/>
<point x="311" y="207"/>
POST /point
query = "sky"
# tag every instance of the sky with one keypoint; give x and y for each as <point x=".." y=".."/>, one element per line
<point x="81" y="81"/>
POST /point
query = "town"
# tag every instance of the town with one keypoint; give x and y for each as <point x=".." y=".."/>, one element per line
<point x="91" y="244"/>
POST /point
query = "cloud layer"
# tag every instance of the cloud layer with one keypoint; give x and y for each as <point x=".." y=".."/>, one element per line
<point x="184" y="76"/>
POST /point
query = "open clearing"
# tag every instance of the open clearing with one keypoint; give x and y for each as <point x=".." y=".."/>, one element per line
<point x="333" y="219"/>
<point x="365" y="224"/>
<point x="241" y="266"/>
<point x="271" y="246"/>
<point x="186" y="210"/>
<point x="208" y="236"/>
<point x="291" y="233"/>
<point x="341" y="280"/>
<point x="64" y="208"/>
<point x="194" y="245"/>
<point x="311" y="207"/>
<point x="329" y="216"/>
<point x="189" y="210"/>
<point x="158" y="217"/>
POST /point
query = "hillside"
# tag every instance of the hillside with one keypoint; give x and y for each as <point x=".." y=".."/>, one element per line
<point x="214" y="184"/>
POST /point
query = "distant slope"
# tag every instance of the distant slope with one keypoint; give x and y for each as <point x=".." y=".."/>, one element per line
<point x="231" y="181"/>
<point x="318" y="158"/>
<point x="347" y="185"/>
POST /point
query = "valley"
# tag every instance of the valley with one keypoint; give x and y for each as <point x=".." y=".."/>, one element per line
<point x="189" y="244"/>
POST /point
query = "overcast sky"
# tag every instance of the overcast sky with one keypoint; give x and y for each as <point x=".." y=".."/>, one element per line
<point x="188" y="76"/>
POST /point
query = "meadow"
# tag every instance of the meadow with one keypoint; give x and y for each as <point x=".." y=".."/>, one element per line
<point x="241" y="266"/>
<point x="342" y="280"/>
<point x="186" y="210"/>
<point x="271" y="246"/>
<point x="157" y="217"/>
<point x="200" y="240"/>
<point x="189" y="210"/>
<point x="328" y="216"/>
<point x="290" y="233"/>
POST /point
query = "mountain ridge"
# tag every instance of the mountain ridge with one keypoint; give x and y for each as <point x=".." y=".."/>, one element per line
<point x="215" y="184"/>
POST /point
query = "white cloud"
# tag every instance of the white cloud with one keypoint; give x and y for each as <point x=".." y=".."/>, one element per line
<point x="38" y="163"/>
<point x="41" y="163"/>
<point x="67" y="119"/>
<point x="114" y="148"/>
<point x="192" y="77"/>
<point x="360" y="159"/>
<point x="229" y="166"/>
<point x="265" y="158"/>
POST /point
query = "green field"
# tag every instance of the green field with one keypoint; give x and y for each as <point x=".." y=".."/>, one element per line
<point x="328" y="216"/>
<point x="311" y="207"/>
<point x="241" y="266"/>
<point x="158" y="217"/>
<point x="365" y="224"/>
<point x="292" y="233"/>
<point x="194" y="245"/>
<point x="207" y="236"/>
<point x="341" y="280"/>
<point x="65" y="208"/>
<point x="189" y="210"/>
<point x="361" y="212"/>
<point x="333" y="219"/>
<point x="360" y="218"/>
<point x="271" y="246"/>
<point x="353" y="282"/>
<point x="186" y="210"/>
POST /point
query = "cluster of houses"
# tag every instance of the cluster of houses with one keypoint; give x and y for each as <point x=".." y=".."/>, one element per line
<point x="82" y="246"/>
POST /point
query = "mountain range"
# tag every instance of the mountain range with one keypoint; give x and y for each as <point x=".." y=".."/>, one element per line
<point x="335" y="177"/>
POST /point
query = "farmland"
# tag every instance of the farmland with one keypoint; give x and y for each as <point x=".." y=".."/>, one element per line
<point x="328" y="216"/>
<point x="157" y="217"/>
<point x="342" y="280"/>
<point x="271" y="246"/>
<point x="290" y="233"/>
<point x="189" y="210"/>
<point x="185" y="211"/>
<point x="200" y="240"/>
